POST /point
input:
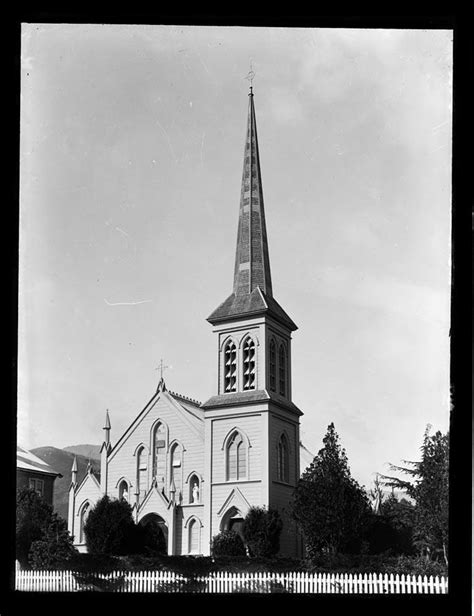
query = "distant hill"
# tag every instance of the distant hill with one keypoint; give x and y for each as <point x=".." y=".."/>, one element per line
<point x="88" y="451"/>
<point x="61" y="461"/>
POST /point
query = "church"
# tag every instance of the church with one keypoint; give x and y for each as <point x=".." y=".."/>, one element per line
<point x="193" y="469"/>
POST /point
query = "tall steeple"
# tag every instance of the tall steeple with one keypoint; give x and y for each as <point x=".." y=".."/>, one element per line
<point x="252" y="264"/>
<point x="252" y="289"/>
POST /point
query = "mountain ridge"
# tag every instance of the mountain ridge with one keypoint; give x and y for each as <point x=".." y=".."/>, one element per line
<point x="61" y="460"/>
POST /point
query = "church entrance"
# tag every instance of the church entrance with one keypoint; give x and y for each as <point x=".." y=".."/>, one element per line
<point x="233" y="520"/>
<point x="155" y="534"/>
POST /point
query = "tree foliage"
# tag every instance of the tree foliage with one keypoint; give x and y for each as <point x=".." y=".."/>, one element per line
<point x="42" y="538"/>
<point x="110" y="528"/>
<point x="329" y="505"/>
<point x="261" y="531"/>
<point x="227" y="543"/>
<point x="56" y="546"/>
<point x="429" y="489"/>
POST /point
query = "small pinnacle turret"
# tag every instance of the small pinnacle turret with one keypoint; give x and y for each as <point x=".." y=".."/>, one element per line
<point x="74" y="471"/>
<point x="107" y="427"/>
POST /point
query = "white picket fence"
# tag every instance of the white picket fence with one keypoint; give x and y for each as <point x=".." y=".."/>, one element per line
<point x="222" y="582"/>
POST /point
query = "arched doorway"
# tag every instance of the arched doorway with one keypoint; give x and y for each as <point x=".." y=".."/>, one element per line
<point x="155" y="533"/>
<point x="233" y="520"/>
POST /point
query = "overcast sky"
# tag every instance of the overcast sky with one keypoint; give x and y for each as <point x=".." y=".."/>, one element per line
<point x="132" y="143"/>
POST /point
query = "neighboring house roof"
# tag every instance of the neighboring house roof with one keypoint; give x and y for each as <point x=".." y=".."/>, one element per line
<point x="27" y="461"/>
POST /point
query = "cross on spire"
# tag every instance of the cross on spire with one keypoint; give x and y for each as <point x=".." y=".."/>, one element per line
<point x="250" y="76"/>
<point x="161" y="368"/>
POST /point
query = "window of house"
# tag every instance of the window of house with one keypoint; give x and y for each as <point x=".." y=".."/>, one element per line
<point x="282" y="370"/>
<point x="283" y="459"/>
<point x="248" y="359"/>
<point x="38" y="485"/>
<point x="272" y="365"/>
<point x="236" y="457"/>
<point x="230" y="367"/>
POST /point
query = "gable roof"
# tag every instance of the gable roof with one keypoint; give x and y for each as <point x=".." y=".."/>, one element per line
<point x="188" y="408"/>
<point x="27" y="461"/>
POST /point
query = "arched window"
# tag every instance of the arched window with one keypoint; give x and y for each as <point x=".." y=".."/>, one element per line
<point x="141" y="471"/>
<point x="236" y="457"/>
<point x="194" y="489"/>
<point x="159" y="454"/>
<point x="283" y="458"/>
<point x="123" y="491"/>
<point x="272" y="365"/>
<point x="194" y="532"/>
<point x="86" y="509"/>
<point x="248" y="359"/>
<point x="282" y="370"/>
<point x="230" y="367"/>
<point x="176" y="469"/>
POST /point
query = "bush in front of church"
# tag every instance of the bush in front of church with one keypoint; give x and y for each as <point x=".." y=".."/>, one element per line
<point x="110" y="528"/>
<point x="261" y="530"/>
<point x="42" y="538"/>
<point x="227" y="543"/>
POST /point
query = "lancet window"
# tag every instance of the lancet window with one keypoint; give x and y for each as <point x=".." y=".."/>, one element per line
<point x="230" y="367"/>
<point x="283" y="457"/>
<point x="272" y="365"/>
<point x="282" y="370"/>
<point x="248" y="359"/>
<point x="236" y="457"/>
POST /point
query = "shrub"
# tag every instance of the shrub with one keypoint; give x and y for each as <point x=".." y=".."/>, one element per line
<point x="110" y="528"/>
<point x="261" y="530"/>
<point x="227" y="543"/>
<point x="42" y="538"/>
<point x="56" y="546"/>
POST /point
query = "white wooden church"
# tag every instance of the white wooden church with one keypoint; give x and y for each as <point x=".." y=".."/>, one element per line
<point x="196" y="469"/>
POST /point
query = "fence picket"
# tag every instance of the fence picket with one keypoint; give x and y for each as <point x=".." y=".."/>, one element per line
<point x="227" y="582"/>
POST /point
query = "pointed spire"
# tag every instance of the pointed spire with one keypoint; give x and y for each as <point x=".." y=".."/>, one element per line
<point x="252" y="263"/>
<point x="107" y="428"/>
<point x="74" y="471"/>
<point x="252" y="293"/>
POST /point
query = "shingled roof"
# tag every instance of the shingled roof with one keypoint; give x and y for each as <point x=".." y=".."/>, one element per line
<point x="249" y="397"/>
<point x="251" y="304"/>
<point x="252" y="292"/>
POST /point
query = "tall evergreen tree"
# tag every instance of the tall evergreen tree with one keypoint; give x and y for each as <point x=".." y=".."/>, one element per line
<point x="429" y="489"/>
<point x="329" y="505"/>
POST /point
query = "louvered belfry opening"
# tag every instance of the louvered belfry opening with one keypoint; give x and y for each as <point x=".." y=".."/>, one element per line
<point x="230" y="367"/>
<point x="249" y="364"/>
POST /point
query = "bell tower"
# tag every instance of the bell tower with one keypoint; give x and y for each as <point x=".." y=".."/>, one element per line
<point x="252" y="425"/>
